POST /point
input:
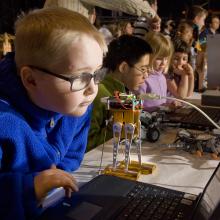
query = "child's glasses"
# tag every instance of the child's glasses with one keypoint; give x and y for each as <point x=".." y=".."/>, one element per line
<point x="80" y="82"/>
<point x="143" y="70"/>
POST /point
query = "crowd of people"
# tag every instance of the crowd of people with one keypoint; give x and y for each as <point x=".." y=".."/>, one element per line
<point x="51" y="85"/>
<point x="177" y="65"/>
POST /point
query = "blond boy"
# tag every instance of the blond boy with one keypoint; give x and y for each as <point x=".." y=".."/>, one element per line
<point x="46" y="91"/>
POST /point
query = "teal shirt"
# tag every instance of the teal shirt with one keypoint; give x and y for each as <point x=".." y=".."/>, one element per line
<point x="99" y="114"/>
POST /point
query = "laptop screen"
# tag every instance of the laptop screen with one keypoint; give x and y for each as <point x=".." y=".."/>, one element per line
<point x="210" y="201"/>
<point x="213" y="64"/>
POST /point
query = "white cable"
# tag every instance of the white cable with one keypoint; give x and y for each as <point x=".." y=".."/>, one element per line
<point x="148" y="96"/>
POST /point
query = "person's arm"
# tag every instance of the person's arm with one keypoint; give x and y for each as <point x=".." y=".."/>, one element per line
<point x="21" y="194"/>
<point x="191" y="82"/>
<point x="182" y="88"/>
<point x="74" y="5"/>
<point x="187" y="81"/>
<point x="51" y="178"/>
<point x="133" y="7"/>
<point x="172" y="87"/>
<point x="74" y="155"/>
<point x="185" y="86"/>
<point x="178" y="90"/>
<point x="17" y="200"/>
<point x="17" y="193"/>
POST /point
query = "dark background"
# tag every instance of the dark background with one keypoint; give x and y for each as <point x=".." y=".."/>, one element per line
<point x="10" y="9"/>
<point x="174" y="8"/>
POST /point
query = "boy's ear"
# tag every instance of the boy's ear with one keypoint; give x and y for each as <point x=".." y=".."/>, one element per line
<point x="27" y="77"/>
<point x="123" y="67"/>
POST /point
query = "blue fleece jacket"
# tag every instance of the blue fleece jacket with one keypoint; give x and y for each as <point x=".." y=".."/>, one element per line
<point x="31" y="140"/>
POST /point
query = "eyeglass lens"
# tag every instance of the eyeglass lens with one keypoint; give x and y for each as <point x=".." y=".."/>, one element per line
<point x="84" y="79"/>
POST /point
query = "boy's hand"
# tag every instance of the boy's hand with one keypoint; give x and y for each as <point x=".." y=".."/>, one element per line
<point x="53" y="178"/>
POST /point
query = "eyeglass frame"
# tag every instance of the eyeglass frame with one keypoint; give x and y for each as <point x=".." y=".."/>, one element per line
<point x="71" y="78"/>
<point x="143" y="72"/>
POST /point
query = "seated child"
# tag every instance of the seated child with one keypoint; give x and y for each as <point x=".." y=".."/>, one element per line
<point x="46" y="91"/>
<point x="180" y="80"/>
<point x="156" y="82"/>
<point x="127" y="62"/>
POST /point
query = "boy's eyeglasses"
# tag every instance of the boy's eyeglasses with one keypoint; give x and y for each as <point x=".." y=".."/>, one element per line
<point x="80" y="82"/>
<point x="144" y="70"/>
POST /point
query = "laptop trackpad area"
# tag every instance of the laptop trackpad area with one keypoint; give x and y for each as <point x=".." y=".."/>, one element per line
<point x="84" y="211"/>
<point x="101" y="198"/>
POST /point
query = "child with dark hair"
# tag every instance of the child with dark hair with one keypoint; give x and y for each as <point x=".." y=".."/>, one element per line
<point x="127" y="62"/>
<point x="180" y="80"/>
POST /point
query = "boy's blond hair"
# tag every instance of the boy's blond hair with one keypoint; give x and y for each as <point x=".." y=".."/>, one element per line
<point x="43" y="36"/>
<point x="161" y="46"/>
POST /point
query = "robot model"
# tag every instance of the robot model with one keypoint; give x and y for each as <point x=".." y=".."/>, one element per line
<point x="151" y="124"/>
<point x="126" y="109"/>
<point x="199" y="142"/>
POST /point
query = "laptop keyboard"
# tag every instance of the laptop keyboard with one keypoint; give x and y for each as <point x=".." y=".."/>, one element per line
<point x="191" y="118"/>
<point x="152" y="203"/>
<point x="197" y="118"/>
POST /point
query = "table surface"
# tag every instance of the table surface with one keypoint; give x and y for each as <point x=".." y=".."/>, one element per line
<point x="176" y="169"/>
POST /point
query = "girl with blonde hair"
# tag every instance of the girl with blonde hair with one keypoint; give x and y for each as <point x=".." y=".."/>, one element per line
<point x="160" y="60"/>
